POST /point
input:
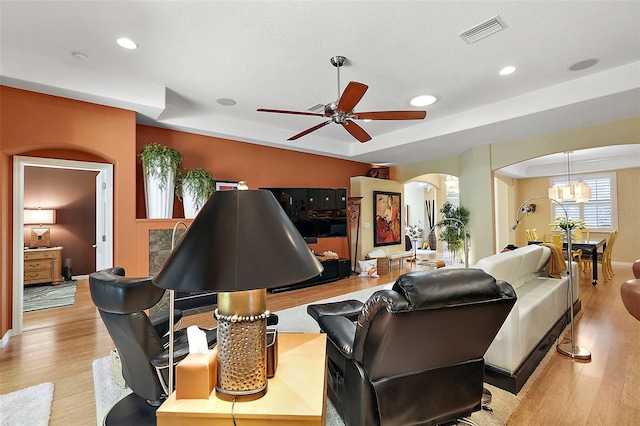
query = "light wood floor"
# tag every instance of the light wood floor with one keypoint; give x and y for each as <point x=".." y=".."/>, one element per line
<point x="59" y="345"/>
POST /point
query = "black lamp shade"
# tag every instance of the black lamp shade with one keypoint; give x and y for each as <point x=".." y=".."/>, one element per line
<point x="240" y="240"/>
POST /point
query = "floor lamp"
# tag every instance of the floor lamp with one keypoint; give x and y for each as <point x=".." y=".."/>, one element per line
<point x="353" y="209"/>
<point x="569" y="349"/>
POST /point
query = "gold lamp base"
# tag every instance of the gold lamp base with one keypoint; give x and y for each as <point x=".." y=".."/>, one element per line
<point x="242" y="350"/>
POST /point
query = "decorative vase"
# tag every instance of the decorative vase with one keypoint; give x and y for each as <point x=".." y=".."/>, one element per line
<point x="195" y="186"/>
<point x="160" y="164"/>
<point x="433" y="240"/>
<point x="564" y="236"/>
<point x="159" y="194"/>
<point x="190" y="204"/>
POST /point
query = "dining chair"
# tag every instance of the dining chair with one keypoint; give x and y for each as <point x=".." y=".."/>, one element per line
<point x="582" y="235"/>
<point x="604" y="259"/>
<point x="553" y="238"/>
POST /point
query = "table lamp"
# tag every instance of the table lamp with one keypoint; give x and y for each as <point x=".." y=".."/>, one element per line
<point x="240" y="244"/>
<point x="40" y="236"/>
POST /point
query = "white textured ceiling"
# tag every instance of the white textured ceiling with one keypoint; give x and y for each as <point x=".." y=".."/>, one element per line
<point x="275" y="54"/>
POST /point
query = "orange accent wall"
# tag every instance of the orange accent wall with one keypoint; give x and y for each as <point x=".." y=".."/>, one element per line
<point x="49" y="126"/>
<point x="260" y="166"/>
<point x="32" y="122"/>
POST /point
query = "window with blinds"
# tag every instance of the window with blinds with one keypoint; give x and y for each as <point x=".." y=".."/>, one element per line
<point x="599" y="212"/>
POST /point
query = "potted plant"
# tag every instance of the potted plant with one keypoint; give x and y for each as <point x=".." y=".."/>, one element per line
<point x="194" y="188"/>
<point x="453" y="233"/>
<point x="160" y="167"/>
<point x="567" y="227"/>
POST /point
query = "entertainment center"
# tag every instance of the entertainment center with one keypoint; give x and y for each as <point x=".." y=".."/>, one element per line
<point x="320" y="215"/>
<point x="316" y="212"/>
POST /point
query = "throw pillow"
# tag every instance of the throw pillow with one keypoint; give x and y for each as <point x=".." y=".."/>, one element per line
<point x="368" y="268"/>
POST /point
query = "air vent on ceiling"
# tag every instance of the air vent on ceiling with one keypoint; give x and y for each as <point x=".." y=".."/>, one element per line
<point x="316" y="108"/>
<point x="484" y="29"/>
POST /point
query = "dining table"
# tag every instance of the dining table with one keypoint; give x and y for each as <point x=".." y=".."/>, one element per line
<point x="589" y="247"/>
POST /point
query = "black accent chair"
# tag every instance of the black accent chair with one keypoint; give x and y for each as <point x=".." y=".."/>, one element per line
<point x="415" y="354"/>
<point x="142" y="342"/>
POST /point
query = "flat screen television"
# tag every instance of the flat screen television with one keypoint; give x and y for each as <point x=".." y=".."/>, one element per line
<point x="316" y="212"/>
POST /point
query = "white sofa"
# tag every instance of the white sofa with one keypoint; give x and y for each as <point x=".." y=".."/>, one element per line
<point x="536" y="319"/>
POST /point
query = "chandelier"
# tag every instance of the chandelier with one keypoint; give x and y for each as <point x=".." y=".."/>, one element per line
<point x="580" y="192"/>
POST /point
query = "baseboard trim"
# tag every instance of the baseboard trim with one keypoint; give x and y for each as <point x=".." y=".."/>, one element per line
<point x="5" y="339"/>
<point x="514" y="381"/>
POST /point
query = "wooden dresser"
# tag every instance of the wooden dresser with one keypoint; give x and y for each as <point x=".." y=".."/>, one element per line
<point x="43" y="265"/>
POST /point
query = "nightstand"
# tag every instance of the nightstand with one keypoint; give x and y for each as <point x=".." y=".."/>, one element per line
<point x="43" y="265"/>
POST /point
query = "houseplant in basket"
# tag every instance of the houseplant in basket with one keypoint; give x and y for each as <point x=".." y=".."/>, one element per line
<point x="194" y="188"/>
<point x="160" y="167"/>
<point x="453" y="232"/>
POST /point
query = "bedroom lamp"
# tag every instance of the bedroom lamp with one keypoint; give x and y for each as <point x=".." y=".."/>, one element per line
<point x="568" y="349"/>
<point x="40" y="236"/>
<point x="240" y="244"/>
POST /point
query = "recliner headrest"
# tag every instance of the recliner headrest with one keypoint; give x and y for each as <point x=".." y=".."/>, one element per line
<point x="112" y="292"/>
<point x="442" y="287"/>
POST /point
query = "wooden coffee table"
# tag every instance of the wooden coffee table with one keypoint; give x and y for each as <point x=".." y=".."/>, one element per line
<point x="295" y="396"/>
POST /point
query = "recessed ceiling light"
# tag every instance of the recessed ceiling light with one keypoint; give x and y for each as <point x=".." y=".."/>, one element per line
<point x="226" y="101"/>
<point x="127" y="43"/>
<point x="507" y="70"/>
<point x="578" y="66"/>
<point x="424" y="100"/>
<point x="367" y="120"/>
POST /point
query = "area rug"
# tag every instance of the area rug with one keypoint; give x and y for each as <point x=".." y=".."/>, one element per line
<point x="107" y="389"/>
<point x="47" y="296"/>
<point x="30" y="406"/>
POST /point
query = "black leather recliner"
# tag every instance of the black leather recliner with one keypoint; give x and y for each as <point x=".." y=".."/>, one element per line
<point x="415" y="355"/>
<point x="142" y="343"/>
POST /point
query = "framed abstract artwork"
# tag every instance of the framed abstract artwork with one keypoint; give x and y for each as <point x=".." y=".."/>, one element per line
<point x="226" y="185"/>
<point x="387" y="218"/>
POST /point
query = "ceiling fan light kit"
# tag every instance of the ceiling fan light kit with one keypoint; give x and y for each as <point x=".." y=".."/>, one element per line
<point x="341" y="112"/>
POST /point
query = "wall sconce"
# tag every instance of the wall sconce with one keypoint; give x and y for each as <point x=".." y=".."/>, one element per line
<point x="40" y="236"/>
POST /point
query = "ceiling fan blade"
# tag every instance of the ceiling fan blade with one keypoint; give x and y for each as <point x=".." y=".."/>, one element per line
<point x="281" y="111"/>
<point x="306" y="132"/>
<point x="356" y="131"/>
<point x="351" y="96"/>
<point x="390" y="115"/>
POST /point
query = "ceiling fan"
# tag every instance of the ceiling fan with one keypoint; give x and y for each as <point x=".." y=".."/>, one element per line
<point x="341" y="111"/>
